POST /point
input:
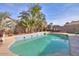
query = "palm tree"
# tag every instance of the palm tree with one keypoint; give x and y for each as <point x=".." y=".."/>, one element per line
<point x="33" y="18"/>
<point x="38" y="17"/>
<point x="24" y="20"/>
<point x="3" y="15"/>
<point x="6" y="22"/>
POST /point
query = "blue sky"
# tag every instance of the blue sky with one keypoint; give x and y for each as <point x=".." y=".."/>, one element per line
<point x="58" y="14"/>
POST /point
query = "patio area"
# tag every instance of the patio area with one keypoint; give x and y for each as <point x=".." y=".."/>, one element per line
<point x="74" y="45"/>
<point x="4" y="51"/>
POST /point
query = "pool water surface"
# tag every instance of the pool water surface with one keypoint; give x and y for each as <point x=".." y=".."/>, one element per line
<point x="40" y="45"/>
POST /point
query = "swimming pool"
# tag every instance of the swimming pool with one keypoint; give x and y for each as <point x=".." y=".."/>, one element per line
<point x="49" y="44"/>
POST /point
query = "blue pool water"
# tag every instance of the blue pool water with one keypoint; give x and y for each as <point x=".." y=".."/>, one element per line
<point x="41" y="45"/>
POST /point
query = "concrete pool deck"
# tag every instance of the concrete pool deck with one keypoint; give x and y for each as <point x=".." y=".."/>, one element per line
<point x="4" y="51"/>
<point x="74" y="46"/>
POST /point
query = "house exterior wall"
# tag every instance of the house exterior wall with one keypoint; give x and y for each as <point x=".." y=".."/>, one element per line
<point x="69" y="28"/>
<point x="72" y="27"/>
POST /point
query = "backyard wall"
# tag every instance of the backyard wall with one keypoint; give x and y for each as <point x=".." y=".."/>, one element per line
<point x="71" y="28"/>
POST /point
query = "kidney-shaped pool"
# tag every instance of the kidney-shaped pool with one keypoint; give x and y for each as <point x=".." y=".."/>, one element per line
<point x="50" y="44"/>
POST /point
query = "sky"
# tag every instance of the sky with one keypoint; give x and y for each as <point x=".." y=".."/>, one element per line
<point x="56" y="13"/>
